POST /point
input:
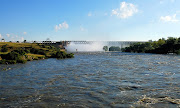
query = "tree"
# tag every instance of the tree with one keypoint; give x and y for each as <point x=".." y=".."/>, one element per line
<point x="114" y="48"/>
<point x="105" y="48"/>
<point x="59" y="54"/>
<point x="20" y="51"/>
<point x="3" y="40"/>
<point x="13" y="56"/>
<point x="24" y="41"/>
<point x="160" y="42"/>
<point x="4" y="48"/>
<point x="170" y="44"/>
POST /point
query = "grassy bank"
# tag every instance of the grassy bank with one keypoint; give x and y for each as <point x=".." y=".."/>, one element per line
<point x="11" y="53"/>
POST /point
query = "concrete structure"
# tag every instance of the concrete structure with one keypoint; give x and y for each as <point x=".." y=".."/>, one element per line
<point x="121" y="44"/>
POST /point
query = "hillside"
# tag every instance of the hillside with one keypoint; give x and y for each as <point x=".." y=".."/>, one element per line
<point x="11" y="53"/>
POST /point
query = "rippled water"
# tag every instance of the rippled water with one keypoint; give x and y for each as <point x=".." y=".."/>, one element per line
<point x="93" y="80"/>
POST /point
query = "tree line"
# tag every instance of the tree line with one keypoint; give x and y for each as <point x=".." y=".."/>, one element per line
<point x="162" y="46"/>
<point x="112" y="48"/>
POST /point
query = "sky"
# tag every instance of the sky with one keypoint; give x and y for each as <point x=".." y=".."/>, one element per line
<point x="98" y="20"/>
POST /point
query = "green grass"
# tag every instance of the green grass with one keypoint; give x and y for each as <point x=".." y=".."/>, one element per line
<point x="35" y="55"/>
<point x="27" y="52"/>
<point x="15" y="44"/>
<point x="4" y="52"/>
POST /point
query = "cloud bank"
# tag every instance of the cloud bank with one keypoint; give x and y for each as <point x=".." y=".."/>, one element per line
<point x="126" y="10"/>
<point x="169" y="18"/>
<point x="63" y="25"/>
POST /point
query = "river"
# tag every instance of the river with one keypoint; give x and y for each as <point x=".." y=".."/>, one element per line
<point x="95" y="79"/>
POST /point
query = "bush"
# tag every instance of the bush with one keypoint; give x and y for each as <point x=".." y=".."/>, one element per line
<point x="43" y="46"/>
<point x="21" y="52"/>
<point x="37" y="51"/>
<point x="62" y="55"/>
<point x="42" y="57"/>
<point x="29" y="58"/>
<point x="21" y="61"/>
<point x="12" y="56"/>
<point x="114" y="48"/>
<point x="178" y="52"/>
<point x="35" y="58"/>
<point x="41" y="52"/>
<point x="3" y="61"/>
<point x="11" y="61"/>
<point x="7" y="61"/>
<point x="4" y="48"/>
<point x="71" y="55"/>
<point x="105" y="48"/>
<point x="59" y="54"/>
<point x="27" y="51"/>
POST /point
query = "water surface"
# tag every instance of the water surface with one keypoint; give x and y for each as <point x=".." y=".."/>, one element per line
<point x="93" y="80"/>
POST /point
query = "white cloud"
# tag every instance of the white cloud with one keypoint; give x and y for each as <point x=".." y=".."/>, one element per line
<point x="24" y="33"/>
<point x="63" y="25"/>
<point x="89" y="14"/>
<point x="126" y="10"/>
<point x="0" y="36"/>
<point x="169" y="18"/>
<point x="115" y="12"/>
<point x="8" y="35"/>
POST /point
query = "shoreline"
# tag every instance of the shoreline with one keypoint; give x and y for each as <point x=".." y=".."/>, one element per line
<point x="12" y="53"/>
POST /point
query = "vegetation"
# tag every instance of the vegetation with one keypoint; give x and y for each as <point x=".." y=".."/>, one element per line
<point x="105" y="48"/>
<point x="114" y="48"/>
<point x="62" y="55"/>
<point x="162" y="46"/>
<point x="11" y="53"/>
<point x="4" y="48"/>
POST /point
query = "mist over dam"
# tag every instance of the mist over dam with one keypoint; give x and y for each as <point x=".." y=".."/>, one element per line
<point x="74" y="46"/>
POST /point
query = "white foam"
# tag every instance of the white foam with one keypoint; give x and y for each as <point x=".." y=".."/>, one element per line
<point x="90" y="47"/>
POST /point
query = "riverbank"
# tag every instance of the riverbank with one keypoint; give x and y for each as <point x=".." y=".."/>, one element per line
<point x="12" y="53"/>
<point x="162" y="46"/>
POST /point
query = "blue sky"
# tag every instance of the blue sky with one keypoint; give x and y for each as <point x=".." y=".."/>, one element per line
<point x="122" y="20"/>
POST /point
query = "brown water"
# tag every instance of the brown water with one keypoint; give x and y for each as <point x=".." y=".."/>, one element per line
<point x="93" y="80"/>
